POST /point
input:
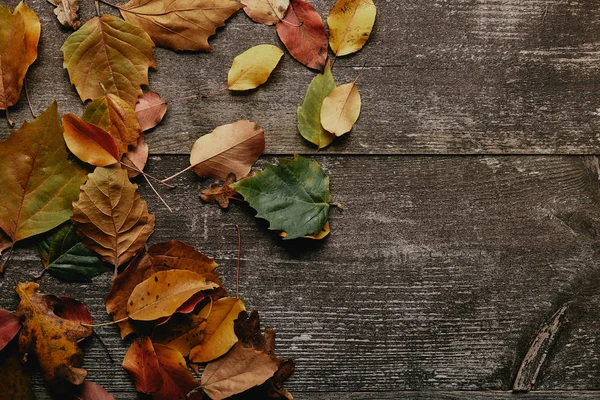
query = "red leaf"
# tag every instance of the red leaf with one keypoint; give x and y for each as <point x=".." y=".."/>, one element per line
<point x="142" y="364"/>
<point x="303" y="33"/>
<point x="73" y="310"/>
<point x="9" y="327"/>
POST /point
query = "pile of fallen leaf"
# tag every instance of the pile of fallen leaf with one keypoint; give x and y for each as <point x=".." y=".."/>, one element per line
<point x="85" y="214"/>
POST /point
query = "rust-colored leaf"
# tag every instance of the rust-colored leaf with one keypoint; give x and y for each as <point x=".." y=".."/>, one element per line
<point x="220" y="194"/>
<point x="150" y="110"/>
<point x="53" y="339"/>
<point x="141" y="363"/>
<point x="164" y="292"/>
<point x="180" y="24"/>
<point x="303" y="34"/>
<point x="9" y="327"/>
<point x="110" y="216"/>
<point x="89" y="143"/>
<point x="231" y="148"/>
<point x="177" y="379"/>
<point x="92" y="391"/>
<point x="73" y="310"/>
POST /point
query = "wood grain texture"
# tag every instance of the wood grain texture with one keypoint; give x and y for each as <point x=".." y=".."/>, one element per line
<point x="438" y="274"/>
<point x="441" y="77"/>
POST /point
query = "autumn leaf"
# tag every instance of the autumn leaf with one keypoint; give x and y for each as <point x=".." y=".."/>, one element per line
<point x="15" y="383"/>
<point x="141" y="363"/>
<point x="182" y="332"/>
<point x="220" y="193"/>
<point x="137" y="157"/>
<point x="253" y="67"/>
<point x="67" y="12"/>
<point x="51" y="338"/>
<point x="162" y="294"/>
<point x="177" y="379"/>
<point x="309" y="114"/>
<point x="108" y="55"/>
<point x="110" y="216"/>
<point x="39" y="185"/>
<point x="66" y="258"/>
<point x="303" y="33"/>
<point x="350" y="24"/>
<point x="293" y="196"/>
<point x="89" y="143"/>
<point x="340" y="109"/>
<point x="150" y="110"/>
<point x="231" y="148"/>
<point x="266" y="12"/>
<point x="73" y="310"/>
<point x="115" y="116"/>
<point x="92" y="391"/>
<point x="19" y="36"/>
<point x="9" y="327"/>
<point x="219" y="336"/>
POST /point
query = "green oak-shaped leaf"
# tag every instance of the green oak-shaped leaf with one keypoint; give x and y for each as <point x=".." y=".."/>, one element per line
<point x="309" y="113"/>
<point x="66" y="258"/>
<point x="292" y="196"/>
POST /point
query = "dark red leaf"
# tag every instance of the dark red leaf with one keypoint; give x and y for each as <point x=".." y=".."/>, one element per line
<point x="9" y="327"/>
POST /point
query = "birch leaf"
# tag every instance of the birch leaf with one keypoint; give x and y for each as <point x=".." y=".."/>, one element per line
<point x="253" y="67"/>
<point x="231" y="148"/>
<point x="309" y="114"/>
<point x="266" y="12"/>
<point x="110" y="216"/>
<point x="180" y="24"/>
<point x="293" y="196"/>
<point x="108" y="55"/>
<point x="340" y="109"/>
<point x="350" y="24"/>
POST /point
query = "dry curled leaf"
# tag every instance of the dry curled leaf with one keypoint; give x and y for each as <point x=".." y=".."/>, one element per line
<point x="220" y="193"/>
<point x="180" y="24"/>
<point x="219" y="335"/>
<point x="303" y="33"/>
<point x="67" y="12"/>
<point x="253" y="67"/>
<point x="340" y="109"/>
<point x="231" y="148"/>
<point x="108" y="55"/>
<point x="142" y="364"/>
<point x="150" y="110"/>
<point x="110" y="216"/>
<point x="162" y="294"/>
<point x="115" y="116"/>
<point x="266" y="12"/>
<point x="19" y="36"/>
<point x="53" y="339"/>
<point x="350" y="24"/>
<point x="9" y="327"/>
<point x="137" y="157"/>
<point x="88" y="142"/>
<point x="39" y="185"/>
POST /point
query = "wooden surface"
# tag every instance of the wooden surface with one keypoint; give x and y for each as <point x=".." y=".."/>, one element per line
<point x="442" y="271"/>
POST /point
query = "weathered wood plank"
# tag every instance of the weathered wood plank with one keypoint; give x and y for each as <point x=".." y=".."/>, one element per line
<point x="442" y="77"/>
<point x="438" y="274"/>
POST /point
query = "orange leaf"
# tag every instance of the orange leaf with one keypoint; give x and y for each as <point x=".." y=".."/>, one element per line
<point x="178" y="381"/>
<point x="142" y="364"/>
<point x="88" y="142"/>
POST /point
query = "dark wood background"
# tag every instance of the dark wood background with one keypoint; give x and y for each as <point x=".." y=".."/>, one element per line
<point x="470" y="191"/>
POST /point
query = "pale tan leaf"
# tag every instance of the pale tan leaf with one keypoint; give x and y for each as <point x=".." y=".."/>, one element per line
<point x="150" y="110"/>
<point x="340" y="109"/>
<point x="266" y="12"/>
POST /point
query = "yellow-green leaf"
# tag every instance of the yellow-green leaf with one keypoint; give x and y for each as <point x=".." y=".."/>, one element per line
<point x="350" y="24"/>
<point x="309" y="114"/>
<point x="108" y="55"/>
<point x="253" y="67"/>
<point x="340" y="109"/>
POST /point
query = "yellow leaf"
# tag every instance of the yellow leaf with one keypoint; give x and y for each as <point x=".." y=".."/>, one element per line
<point x="180" y="24"/>
<point x="164" y="292"/>
<point x="253" y="67"/>
<point x="350" y="24"/>
<point x="219" y="335"/>
<point x="108" y="55"/>
<point x="340" y="109"/>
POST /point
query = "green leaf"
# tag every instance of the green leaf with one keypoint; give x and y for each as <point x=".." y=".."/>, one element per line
<point x="309" y="113"/>
<point x="66" y="258"/>
<point x="293" y="196"/>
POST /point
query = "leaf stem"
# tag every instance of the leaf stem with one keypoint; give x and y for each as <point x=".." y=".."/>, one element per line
<point x="38" y="276"/>
<point x="10" y="121"/>
<point x="97" y="8"/>
<point x="136" y="169"/>
<point x="214" y="92"/>
<point x="157" y="194"/>
<point x="105" y="324"/>
<point x="237" y="273"/>
<point x="5" y="263"/>
<point x="28" y="101"/>
<point x="177" y="174"/>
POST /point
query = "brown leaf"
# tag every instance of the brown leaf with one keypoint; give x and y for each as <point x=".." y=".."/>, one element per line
<point x="231" y="148"/>
<point x="177" y="379"/>
<point x="5" y="242"/>
<point x="137" y="157"/>
<point x="123" y="285"/>
<point x="141" y="363"/>
<point x="182" y="332"/>
<point x="180" y="24"/>
<point x="15" y="383"/>
<point x="110" y="216"/>
<point x="150" y="110"/>
<point x="219" y="335"/>
<point x="164" y="292"/>
<point x="92" y="391"/>
<point x="67" y="12"/>
<point x="220" y="194"/>
<point x="9" y="327"/>
<point x="115" y="116"/>
<point x="19" y="36"/>
<point x="51" y="338"/>
<point x="88" y="142"/>
<point x="266" y="12"/>
<point x="303" y="34"/>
